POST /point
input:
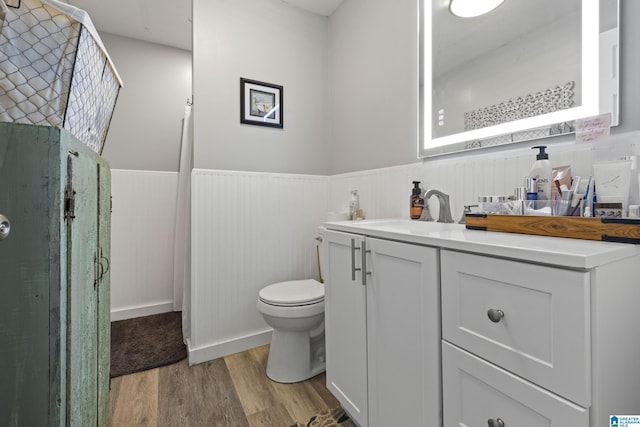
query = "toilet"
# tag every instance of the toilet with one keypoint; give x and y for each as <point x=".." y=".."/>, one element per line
<point x="295" y="311"/>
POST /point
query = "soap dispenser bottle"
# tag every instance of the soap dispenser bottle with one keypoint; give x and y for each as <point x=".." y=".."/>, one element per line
<point x="541" y="171"/>
<point x="416" y="202"/>
<point x="354" y="204"/>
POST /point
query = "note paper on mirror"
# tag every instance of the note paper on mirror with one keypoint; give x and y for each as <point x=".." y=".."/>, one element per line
<point x="591" y="129"/>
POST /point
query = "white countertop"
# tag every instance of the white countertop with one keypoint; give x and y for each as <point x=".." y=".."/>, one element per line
<point x="572" y="253"/>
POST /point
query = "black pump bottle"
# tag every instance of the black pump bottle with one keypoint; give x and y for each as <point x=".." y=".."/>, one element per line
<point x="416" y="202"/>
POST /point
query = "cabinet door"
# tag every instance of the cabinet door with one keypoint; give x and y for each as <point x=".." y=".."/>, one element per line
<point x="475" y="392"/>
<point x="345" y="325"/>
<point x="103" y="291"/>
<point x="29" y="274"/>
<point x="403" y="330"/>
<point x="82" y="266"/>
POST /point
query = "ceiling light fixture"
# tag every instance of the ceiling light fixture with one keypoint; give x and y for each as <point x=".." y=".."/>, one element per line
<point x="473" y="8"/>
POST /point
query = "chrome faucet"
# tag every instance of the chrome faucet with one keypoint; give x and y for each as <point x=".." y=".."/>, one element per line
<point x="444" y="211"/>
<point x="467" y="210"/>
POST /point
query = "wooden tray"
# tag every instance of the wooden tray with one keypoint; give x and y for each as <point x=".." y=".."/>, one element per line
<point x="603" y="229"/>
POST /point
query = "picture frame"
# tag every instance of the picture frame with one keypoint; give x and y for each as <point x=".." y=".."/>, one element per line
<point x="261" y="103"/>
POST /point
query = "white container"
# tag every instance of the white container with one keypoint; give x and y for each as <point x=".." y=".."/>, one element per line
<point x="612" y="182"/>
<point x="354" y="204"/>
<point x="542" y="171"/>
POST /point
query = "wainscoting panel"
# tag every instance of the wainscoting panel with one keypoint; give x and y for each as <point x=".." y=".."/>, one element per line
<point x="142" y="225"/>
<point x="384" y="193"/>
<point x="248" y="230"/>
<point x="252" y="229"/>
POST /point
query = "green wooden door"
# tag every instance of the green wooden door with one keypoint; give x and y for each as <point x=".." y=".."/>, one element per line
<point x="54" y="280"/>
<point x="88" y="248"/>
<point x="104" y="294"/>
<point x="29" y="273"/>
<point x="82" y="282"/>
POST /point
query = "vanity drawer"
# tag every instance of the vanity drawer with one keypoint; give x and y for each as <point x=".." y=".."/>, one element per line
<point x="529" y="319"/>
<point x="475" y="392"/>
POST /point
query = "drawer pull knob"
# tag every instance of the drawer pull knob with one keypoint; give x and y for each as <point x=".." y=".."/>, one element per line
<point x="495" y="316"/>
<point x="496" y="423"/>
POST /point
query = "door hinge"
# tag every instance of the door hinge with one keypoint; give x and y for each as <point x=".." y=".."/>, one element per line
<point x="69" y="193"/>
<point x="69" y="204"/>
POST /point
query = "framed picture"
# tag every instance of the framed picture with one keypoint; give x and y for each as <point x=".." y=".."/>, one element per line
<point x="260" y="103"/>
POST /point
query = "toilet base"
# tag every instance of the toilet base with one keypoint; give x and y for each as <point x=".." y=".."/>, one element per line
<point x="294" y="357"/>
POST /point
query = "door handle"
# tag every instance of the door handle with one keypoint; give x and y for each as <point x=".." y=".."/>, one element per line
<point x="5" y="227"/>
<point x="365" y="273"/>
<point x="353" y="259"/>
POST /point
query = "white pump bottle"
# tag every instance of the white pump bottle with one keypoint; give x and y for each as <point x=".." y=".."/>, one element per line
<point x="541" y="170"/>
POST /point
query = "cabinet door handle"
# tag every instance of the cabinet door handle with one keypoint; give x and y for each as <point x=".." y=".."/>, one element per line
<point x="495" y="315"/>
<point x="365" y="273"/>
<point x="5" y="227"/>
<point x="496" y="423"/>
<point x="353" y="259"/>
<point x="103" y="270"/>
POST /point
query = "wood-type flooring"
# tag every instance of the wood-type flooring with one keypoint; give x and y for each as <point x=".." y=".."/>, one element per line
<point x="230" y="391"/>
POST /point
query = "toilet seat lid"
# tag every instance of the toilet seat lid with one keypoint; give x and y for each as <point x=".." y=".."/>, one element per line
<point x="294" y="292"/>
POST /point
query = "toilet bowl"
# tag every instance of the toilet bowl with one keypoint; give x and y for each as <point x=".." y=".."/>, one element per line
<point x="295" y="311"/>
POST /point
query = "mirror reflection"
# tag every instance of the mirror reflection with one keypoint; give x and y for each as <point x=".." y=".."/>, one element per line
<point x="522" y="71"/>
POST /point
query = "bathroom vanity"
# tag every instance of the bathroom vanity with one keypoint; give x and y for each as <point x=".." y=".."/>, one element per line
<point x="431" y="324"/>
<point x="382" y="330"/>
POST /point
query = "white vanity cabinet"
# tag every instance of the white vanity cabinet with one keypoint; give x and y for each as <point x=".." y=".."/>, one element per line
<point x="382" y="319"/>
<point x="535" y="331"/>
<point x="535" y="345"/>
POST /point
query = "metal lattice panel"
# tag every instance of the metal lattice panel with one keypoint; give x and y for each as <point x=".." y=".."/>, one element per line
<point x="37" y="51"/>
<point x="94" y="90"/>
<point x="52" y="72"/>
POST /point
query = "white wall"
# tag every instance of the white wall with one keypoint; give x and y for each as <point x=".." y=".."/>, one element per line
<point x="142" y="224"/>
<point x="143" y="142"/>
<point x="373" y="69"/>
<point x="629" y="66"/>
<point x="145" y="130"/>
<point x="248" y="230"/>
<point x="269" y="41"/>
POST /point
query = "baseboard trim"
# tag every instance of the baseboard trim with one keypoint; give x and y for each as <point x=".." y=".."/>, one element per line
<point x="222" y="349"/>
<point x="146" y="310"/>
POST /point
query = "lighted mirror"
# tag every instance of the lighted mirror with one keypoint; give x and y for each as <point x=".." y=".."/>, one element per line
<point x="525" y="70"/>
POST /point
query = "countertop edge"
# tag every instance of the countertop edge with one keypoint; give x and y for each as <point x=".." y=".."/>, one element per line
<point x="560" y="252"/>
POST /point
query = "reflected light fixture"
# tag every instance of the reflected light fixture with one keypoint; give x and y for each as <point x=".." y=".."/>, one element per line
<point x="473" y="8"/>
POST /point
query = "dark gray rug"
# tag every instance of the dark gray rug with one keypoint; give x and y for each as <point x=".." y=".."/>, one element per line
<point x="146" y="342"/>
